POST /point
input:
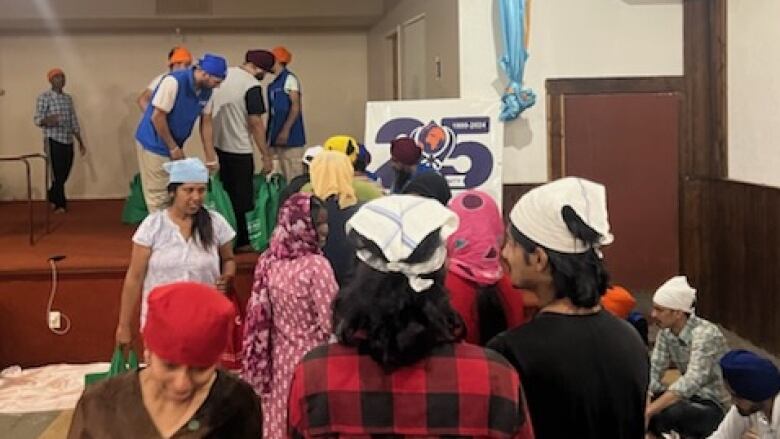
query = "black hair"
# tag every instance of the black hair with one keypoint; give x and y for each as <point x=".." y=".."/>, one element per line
<point x="360" y="164"/>
<point x="383" y="317"/>
<point x="315" y="206"/>
<point x="581" y="277"/>
<point x="170" y="54"/>
<point x="202" y="229"/>
<point x="492" y="320"/>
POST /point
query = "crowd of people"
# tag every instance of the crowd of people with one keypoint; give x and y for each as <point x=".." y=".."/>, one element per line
<point x="399" y="312"/>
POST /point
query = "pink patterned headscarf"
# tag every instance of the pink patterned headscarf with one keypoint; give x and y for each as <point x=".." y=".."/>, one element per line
<point x="295" y="236"/>
<point x="474" y="250"/>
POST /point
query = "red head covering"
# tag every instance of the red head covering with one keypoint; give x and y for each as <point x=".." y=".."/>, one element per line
<point x="282" y="54"/>
<point x="54" y="72"/>
<point x="188" y="323"/>
<point x="474" y="249"/>
<point x="405" y="151"/>
<point x="618" y="301"/>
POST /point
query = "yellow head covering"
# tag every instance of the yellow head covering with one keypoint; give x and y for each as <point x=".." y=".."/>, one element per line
<point x="331" y="174"/>
<point x="343" y="144"/>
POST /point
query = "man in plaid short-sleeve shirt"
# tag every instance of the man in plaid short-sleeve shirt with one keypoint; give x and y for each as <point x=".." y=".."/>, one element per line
<point x="55" y="114"/>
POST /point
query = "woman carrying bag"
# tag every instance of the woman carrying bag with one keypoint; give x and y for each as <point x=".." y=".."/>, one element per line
<point x="184" y="242"/>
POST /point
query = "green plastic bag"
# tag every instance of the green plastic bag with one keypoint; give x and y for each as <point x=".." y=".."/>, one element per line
<point x="135" y="209"/>
<point x="217" y="199"/>
<point x="119" y="365"/>
<point x="261" y="220"/>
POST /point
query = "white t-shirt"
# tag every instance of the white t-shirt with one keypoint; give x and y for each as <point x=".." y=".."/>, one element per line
<point x="174" y="259"/>
<point x="165" y="97"/>
<point x="291" y="84"/>
<point x="734" y="425"/>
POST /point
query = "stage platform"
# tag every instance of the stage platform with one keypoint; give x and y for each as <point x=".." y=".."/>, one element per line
<point x="96" y="246"/>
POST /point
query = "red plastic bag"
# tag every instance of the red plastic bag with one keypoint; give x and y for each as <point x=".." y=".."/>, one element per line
<point x="231" y="358"/>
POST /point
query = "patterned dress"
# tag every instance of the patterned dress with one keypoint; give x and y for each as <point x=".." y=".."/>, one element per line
<point x="289" y="312"/>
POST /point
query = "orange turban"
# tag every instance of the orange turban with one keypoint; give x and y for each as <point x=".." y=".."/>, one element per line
<point x="54" y="72"/>
<point x="282" y="54"/>
<point x="180" y="55"/>
<point x="618" y="301"/>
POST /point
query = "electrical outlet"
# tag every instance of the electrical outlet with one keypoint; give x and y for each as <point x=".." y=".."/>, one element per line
<point x="55" y="320"/>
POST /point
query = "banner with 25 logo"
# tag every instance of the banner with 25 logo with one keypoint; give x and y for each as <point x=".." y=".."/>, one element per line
<point x="460" y="138"/>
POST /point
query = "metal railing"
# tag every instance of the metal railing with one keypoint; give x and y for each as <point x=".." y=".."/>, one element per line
<point x="25" y="159"/>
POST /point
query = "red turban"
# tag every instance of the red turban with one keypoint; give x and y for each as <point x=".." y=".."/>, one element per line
<point x="188" y="323"/>
<point x="405" y="151"/>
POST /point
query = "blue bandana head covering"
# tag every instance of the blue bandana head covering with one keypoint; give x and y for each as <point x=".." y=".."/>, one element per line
<point x="214" y="65"/>
<point x="190" y="170"/>
<point x="750" y="377"/>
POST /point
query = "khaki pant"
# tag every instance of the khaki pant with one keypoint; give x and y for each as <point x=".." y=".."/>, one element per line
<point x="288" y="160"/>
<point x="154" y="178"/>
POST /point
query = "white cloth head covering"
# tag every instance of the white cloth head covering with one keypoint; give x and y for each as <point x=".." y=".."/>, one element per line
<point x="190" y="170"/>
<point x="676" y="294"/>
<point x="310" y="153"/>
<point x="538" y="214"/>
<point x="397" y="224"/>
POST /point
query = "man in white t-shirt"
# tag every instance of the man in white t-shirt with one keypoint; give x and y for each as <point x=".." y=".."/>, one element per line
<point x="238" y="110"/>
<point x="179" y="58"/>
<point x="286" y="133"/>
<point x="182" y="98"/>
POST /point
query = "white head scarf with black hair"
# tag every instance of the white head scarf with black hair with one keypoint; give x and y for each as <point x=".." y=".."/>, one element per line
<point x="397" y="224"/>
<point x="539" y="214"/>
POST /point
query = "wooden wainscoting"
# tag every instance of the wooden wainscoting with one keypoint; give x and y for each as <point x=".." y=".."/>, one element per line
<point x="730" y="241"/>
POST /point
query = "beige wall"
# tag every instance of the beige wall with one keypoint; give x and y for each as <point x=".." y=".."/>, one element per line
<point x="754" y="91"/>
<point x="441" y="27"/>
<point x="106" y="72"/>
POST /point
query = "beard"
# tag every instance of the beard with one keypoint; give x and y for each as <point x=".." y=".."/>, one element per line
<point x="402" y="176"/>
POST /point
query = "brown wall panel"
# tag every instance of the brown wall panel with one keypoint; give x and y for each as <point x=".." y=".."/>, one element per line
<point x="90" y="300"/>
<point x="731" y="251"/>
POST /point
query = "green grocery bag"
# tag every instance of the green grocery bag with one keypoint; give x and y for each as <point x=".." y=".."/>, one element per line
<point x="135" y="210"/>
<point x="217" y="199"/>
<point x="261" y="220"/>
<point x="119" y="365"/>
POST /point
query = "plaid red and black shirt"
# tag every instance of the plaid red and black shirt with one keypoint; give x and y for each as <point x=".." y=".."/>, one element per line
<point x="459" y="390"/>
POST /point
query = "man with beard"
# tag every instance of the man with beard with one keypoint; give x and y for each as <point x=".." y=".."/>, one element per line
<point x="405" y="160"/>
<point x="694" y="404"/>
<point x="183" y="97"/>
<point x="754" y="384"/>
<point x="238" y="110"/>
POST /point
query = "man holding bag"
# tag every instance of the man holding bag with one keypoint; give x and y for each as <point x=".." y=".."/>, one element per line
<point x="180" y="99"/>
<point x="238" y="110"/>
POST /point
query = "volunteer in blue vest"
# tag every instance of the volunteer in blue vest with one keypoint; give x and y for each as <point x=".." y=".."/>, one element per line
<point x="167" y="123"/>
<point x="238" y="111"/>
<point x="285" y="117"/>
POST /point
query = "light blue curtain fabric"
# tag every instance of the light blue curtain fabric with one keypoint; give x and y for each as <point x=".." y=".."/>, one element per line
<point x="516" y="99"/>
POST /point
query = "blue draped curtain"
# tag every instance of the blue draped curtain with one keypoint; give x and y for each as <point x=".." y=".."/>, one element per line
<point x="516" y="99"/>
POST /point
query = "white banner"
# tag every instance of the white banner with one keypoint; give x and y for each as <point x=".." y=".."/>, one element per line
<point x="461" y="138"/>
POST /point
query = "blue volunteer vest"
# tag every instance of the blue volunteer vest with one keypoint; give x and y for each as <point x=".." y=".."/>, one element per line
<point x="280" y="103"/>
<point x="186" y="109"/>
